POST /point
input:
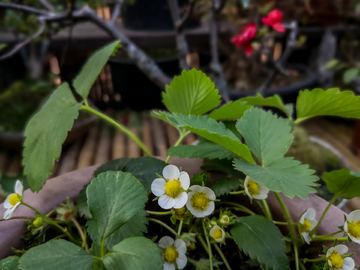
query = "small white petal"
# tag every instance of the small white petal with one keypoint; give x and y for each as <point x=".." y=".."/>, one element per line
<point x="262" y="187"/>
<point x="302" y="218"/>
<point x="8" y="213"/>
<point x="210" y="193"/>
<point x="185" y="180"/>
<point x="158" y="186"/>
<point x="196" y="188"/>
<point x="261" y="196"/>
<point x="341" y="249"/>
<point x="169" y="266"/>
<point x="180" y="200"/>
<point x="213" y="230"/>
<point x="180" y="246"/>
<point x="330" y="250"/>
<point x="166" y="202"/>
<point x="171" y="172"/>
<point x="313" y="223"/>
<point x="345" y="226"/>
<point x="209" y="210"/>
<point x="19" y="188"/>
<point x="181" y="261"/>
<point x="354" y="216"/>
<point x="306" y="237"/>
<point x="354" y="239"/>
<point x="165" y="242"/>
<point x="349" y="264"/>
<point x="7" y="204"/>
<point x="310" y="214"/>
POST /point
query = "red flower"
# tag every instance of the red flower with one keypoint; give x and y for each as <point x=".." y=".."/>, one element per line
<point x="274" y="20"/>
<point x="244" y="37"/>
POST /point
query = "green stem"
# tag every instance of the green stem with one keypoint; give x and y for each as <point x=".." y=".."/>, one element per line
<point x="326" y="238"/>
<point x="208" y="244"/>
<point x="222" y="256"/>
<point x="291" y="228"/>
<point x="180" y="227"/>
<point x="18" y="217"/>
<point x="102" y="248"/>
<point x="331" y="234"/>
<point x="164" y="225"/>
<point x="314" y="260"/>
<point x="302" y="266"/>
<point x="280" y="223"/>
<point x="241" y="207"/>
<point x="192" y="261"/>
<point x="237" y="192"/>
<point x="159" y="213"/>
<point x="120" y="127"/>
<point x="202" y="241"/>
<point x="267" y="209"/>
<point x="183" y="134"/>
<point x="82" y="234"/>
<point x="323" y="215"/>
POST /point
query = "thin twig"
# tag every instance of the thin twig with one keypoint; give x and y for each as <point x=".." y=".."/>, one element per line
<point x="116" y="11"/>
<point x="82" y="235"/>
<point x="47" y="5"/>
<point x="180" y="24"/>
<point x="24" y="9"/>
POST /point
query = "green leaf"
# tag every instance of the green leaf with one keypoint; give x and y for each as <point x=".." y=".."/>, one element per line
<point x="350" y="74"/>
<point x="344" y="183"/>
<point x="231" y="110"/>
<point x="224" y="185"/>
<point x="222" y="165"/>
<point x="134" y="253"/>
<point x="56" y="254"/>
<point x="203" y="150"/>
<point x="82" y="204"/>
<point x="274" y="101"/>
<point x="331" y="63"/>
<point x="114" y="198"/>
<point x="164" y="116"/>
<point x="267" y="136"/>
<point x="283" y="175"/>
<point x="213" y="131"/>
<point x="259" y="238"/>
<point x="143" y="168"/>
<point x="330" y="102"/>
<point x="45" y="134"/>
<point x="92" y="68"/>
<point x="191" y="93"/>
<point x="9" y="263"/>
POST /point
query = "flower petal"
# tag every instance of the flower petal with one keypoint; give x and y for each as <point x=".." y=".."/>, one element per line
<point x="196" y="188"/>
<point x="306" y="237"/>
<point x="180" y="246"/>
<point x="7" y="204"/>
<point x="185" y="180"/>
<point x="278" y="27"/>
<point x="158" y="186"/>
<point x="165" y="242"/>
<point x="341" y="249"/>
<point x="209" y="210"/>
<point x="354" y="239"/>
<point x="354" y="216"/>
<point x="171" y="172"/>
<point x="248" y="49"/>
<point x="349" y="264"/>
<point x="310" y="214"/>
<point x="181" y="261"/>
<point x="330" y="250"/>
<point x="266" y="21"/>
<point x="8" y="213"/>
<point x="180" y="200"/>
<point x="169" y="266"/>
<point x="313" y="223"/>
<point x="166" y="202"/>
<point x="19" y="188"/>
<point x="261" y="196"/>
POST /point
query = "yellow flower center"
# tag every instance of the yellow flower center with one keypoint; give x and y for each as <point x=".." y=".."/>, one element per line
<point x="14" y="199"/>
<point x="179" y="213"/>
<point x="173" y="188"/>
<point x="253" y="188"/>
<point x="306" y="226"/>
<point x="199" y="201"/>
<point x="171" y="254"/>
<point x="336" y="260"/>
<point x="218" y="234"/>
<point x="354" y="229"/>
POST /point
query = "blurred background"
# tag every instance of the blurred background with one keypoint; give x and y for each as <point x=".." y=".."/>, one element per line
<point x="46" y="42"/>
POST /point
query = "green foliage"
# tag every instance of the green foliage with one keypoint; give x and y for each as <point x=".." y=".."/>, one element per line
<point x="7" y="183"/>
<point x="191" y="93"/>
<point x="202" y="150"/>
<point x="261" y="240"/>
<point x="330" y="102"/>
<point x="82" y="205"/>
<point x="231" y="110"/>
<point x="163" y="116"/>
<point x="350" y="74"/>
<point x="134" y="253"/>
<point x="344" y="183"/>
<point x="143" y="168"/>
<point x="45" y="134"/>
<point x="199" y="179"/>
<point x="224" y="185"/>
<point x="91" y="70"/>
<point x="56" y="254"/>
<point x="331" y="63"/>
<point x="267" y="136"/>
<point x="274" y="101"/>
<point x="9" y="263"/>
<point x="221" y="165"/>
<point x="213" y="131"/>
<point x="114" y="198"/>
<point x="282" y="175"/>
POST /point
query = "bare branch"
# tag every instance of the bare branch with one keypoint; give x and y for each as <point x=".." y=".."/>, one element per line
<point x="47" y="5"/>
<point x="24" y="9"/>
<point x="180" y="24"/>
<point x="116" y="11"/>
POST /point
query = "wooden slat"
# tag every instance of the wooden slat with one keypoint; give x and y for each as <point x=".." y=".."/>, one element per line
<point x="14" y="167"/>
<point x="119" y="148"/>
<point x="133" y="149"/>
<point x="146" y="134"/>
<point x="189" y="139"/>
<point x="172" y="134"/>
<point x="103" y="147"/>
<point x="89" y="149"/>
<point x="159" y="137"/>
<point x="68" y="160"/>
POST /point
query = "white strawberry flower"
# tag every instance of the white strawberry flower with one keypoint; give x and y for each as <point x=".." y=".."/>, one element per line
<point x="173" y="253"/>
<point x="13" y="200"/>
<point x="172" y="189"/>
<point x="201" y="201"/>
<point x="337" y="261"/>
<point x="255" y="190"/>
<point x="352" y="226"/>
<point x="217" y="234"/>
<point x="307" y="222"/>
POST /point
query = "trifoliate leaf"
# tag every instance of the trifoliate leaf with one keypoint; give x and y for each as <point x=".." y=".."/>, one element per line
<point x="350" y="74"/>
<point x="191" y="93"/>
<point x="330" y="102"/>
<point x="56" y="254"/>
<point x="114" y="198"/>
<point x="82" y="205"/>
<point x="134" y="253"/>
<point x="213" y="131"/>
<point x="9" y="263"/>
<point x="284" y="175"/>
<point x="45" y="134"/>
<point x="224" y="185"/>
<point x="259" y="238"/>
<point x="203" y="150"/>
<point x="92" y="68"/>
<point x="230" y="111"/>
<point x="344" y="183"/>
<point x="267" y="136"/>
<point x="163" y="116"/>
<point x="274" y="101"/>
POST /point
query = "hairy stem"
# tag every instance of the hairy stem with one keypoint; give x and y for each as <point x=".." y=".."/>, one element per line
<point x="183" y="134"/>
<point x="208" y="244"/>
<point x="222" y="256"/>
<point x="82" y="235"/>
<point x="159" y="213"/>
<point x="180" y="227"/>
<point x="267" y="209"/>
<point x="164" y="225"/>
